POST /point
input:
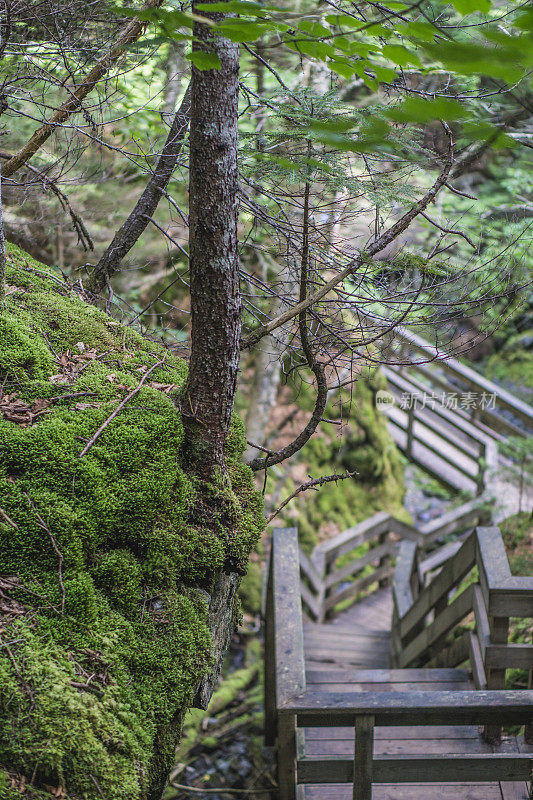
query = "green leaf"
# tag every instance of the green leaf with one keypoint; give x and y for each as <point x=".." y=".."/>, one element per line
<point x="238" y="30"/>
<point x="343" y="68"/>
<point x="385" y="74"/>
<point x="418" y="30"/>
<point x="203" y="60"/>
<point x="313" y="28"/>
<point x="416" y="109"/>
<point x="400" y="55"/>
<point x="320" y="50"/>
<point x="477" y="59"/>
<point x="234" y="7"/>
<point x="469" y="6"/>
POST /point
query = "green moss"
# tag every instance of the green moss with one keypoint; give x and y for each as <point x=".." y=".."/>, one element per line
<point x="513" y="365"/>
<point x="366" y="448"/>
<point x="103" y="553"/>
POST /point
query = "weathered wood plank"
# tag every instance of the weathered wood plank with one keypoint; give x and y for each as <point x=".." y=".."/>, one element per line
<point x="287" y="757"/>
<point x="400" y="733"/>
<point x="358" y="586"/>
<point x="447" y="523"/>
<point x="352" y="537"/>
<point x="509" y="656"/>
<point x="310" y="601"/>
<point x="413" y="747"/>
<point x="375" y="553"/>
<point x="452" y="572"/>
<point x="476" y="661"/>
<point x="288" y="624"/>
<point x="425" y="768"/>
<point x="409" y="791"/>
<point x="444" y="622"/>
<point x="334" y="709"/>
<point x="389" y="676"/>
<point x="363" y="758"/>
<point x="310" y="571"/>
<point x="442" y="686"/>
<point x="492" y="556"/>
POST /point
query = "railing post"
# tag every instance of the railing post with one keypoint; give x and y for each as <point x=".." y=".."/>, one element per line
<point x="499" y="634"/>
<point x="319" y="562"/>
<point x="384" y="560"/>
<point x="481" y="469"/>
<point x="410" y="433"/>
<point x="327" y="592"/>
<point x="363" y="758"/>
<point x="528" y="730"/>
<point x="287" y="774"/>
<point x="269" y="688"/>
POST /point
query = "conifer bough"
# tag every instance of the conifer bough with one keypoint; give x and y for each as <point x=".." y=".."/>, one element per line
<point x="129" y="34"/>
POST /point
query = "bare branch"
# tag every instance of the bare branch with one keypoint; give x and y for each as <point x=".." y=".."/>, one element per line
<point x="312" y="484"/>
<point x="133" y="227"/>
<point x="120" y="406"/>
<point x="376" y="247"/>
<point x="315" y="365"/>
<point x="129" y="34"/>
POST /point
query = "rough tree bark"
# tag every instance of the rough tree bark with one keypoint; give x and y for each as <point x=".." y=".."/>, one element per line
<point x="207" y="400"/>
<point x="133" y="227"/>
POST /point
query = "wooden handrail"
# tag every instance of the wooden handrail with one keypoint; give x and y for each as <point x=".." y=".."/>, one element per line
<point x="338" y="709"/>
<point x="424" y="618"/>
<point x="468" y="376"/>
<point x="323" y="586"/>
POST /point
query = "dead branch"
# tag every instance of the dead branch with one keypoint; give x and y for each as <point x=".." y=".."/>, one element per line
<point x="57" y="551"/>
<point x="133" y="227"/>
<point x="8" y="519"/>
<point x="79" y="226"/>
<point x="120" y="406"/>
<point x="129" y="34"/>
<point x="314" y="364"/>
<point x="312" y="484"/>
<point x="373" y="249"/>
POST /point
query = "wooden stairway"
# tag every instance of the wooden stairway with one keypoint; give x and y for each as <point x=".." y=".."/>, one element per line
<point x="351" y="653"/>
<point x="368" y="702"/>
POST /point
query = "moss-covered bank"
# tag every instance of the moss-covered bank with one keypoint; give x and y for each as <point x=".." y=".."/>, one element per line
<point x="361" y="443"/>
<point x="106" y="561"/>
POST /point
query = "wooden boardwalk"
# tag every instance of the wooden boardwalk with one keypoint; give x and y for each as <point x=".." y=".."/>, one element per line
<point x="351" y="653"/>
<point x="384" y="700"/>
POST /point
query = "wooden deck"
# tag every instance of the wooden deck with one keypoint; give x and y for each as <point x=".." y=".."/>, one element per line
<point x="382" y="700"/>
<point x="351" y="654"/>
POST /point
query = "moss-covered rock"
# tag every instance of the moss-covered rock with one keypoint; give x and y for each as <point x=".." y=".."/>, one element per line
<point x="105" y="559"/>
<point x="366" y="448"/>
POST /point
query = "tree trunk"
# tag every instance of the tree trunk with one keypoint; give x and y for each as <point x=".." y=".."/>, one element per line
<point x="131" y="230"/>
<point x="174" y="68"/>
<point x="207" y="401"/>
<point x="2" y="251"/>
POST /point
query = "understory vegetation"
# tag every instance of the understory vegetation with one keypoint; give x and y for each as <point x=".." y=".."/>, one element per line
<point x="107" y="559"/>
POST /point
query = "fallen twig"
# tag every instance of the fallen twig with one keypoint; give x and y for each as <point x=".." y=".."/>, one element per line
<point x="119" y="408"/>
<point x="312" y="484"/>
<point x="8" y="519"/>
<point x="57" y="551"/>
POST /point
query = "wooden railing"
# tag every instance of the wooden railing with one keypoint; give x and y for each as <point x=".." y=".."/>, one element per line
<point x="435" y="370"/>
<point x="475" y="586"/>
<point x="290" y="706"/>
<point x="443" y="442"/>
<point x="324" y="584"/>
